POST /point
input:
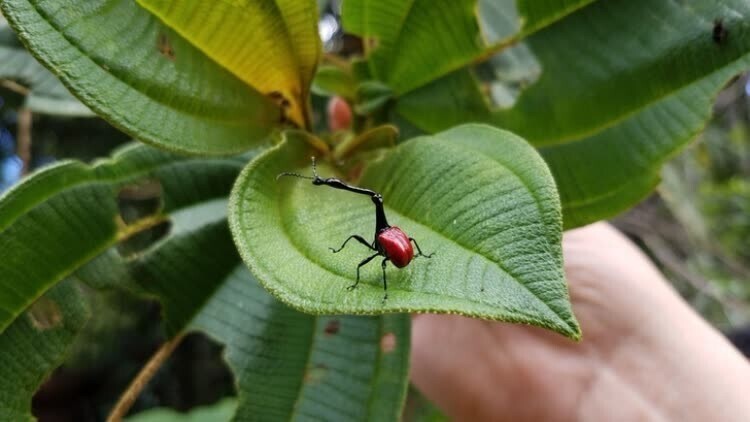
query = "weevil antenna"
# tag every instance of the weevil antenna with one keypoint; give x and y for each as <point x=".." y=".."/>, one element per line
<point x="380" y="220"/>
<point x="314" y="167"/>
<point x="286" y="173"/>
<point x="314" y="176"/>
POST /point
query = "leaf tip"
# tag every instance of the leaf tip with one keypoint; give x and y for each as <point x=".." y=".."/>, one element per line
<point x="572" y="330"/>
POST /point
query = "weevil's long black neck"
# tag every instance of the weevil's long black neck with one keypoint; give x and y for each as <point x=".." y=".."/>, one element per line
<point x="380" y="221"/>
<point x="339" y="184"/>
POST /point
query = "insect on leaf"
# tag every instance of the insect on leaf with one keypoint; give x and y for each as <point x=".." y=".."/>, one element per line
<point x="493" y="222"/>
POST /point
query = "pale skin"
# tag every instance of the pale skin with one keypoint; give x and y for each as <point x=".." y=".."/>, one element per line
<point x="645" y="354"/>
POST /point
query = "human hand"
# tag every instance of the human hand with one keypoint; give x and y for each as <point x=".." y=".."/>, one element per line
<point x="645" y="355"/>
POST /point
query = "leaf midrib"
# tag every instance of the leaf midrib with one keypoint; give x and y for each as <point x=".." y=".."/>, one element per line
<point x="573" y="137"/>
<point x="308" y="366"/>
<point x="488" y="51"/>
<point x="396" y="39"/>
<point x="554" y="18"/>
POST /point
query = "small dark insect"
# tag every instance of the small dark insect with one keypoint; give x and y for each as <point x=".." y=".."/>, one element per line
<point x="390" y="241"/>
<point x="720" y="32"/>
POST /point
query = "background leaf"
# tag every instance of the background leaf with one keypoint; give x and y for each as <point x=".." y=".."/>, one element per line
<point x="410" y="43"/>
<point x="287" y="365"/>
<point x="493" y="223"/>
<point x="629" y="76"/>
<point x="272" y="45"/>
<point x="73" y="210"/>
<point x="332" y="80"/>
<point x="141" y="76"/>
<point x="47" y="95"/>
<point x="608" y="109"/>
<point x="391" y="28"/>
<point x="35" y="344"/>
<point x="536" y="14"/>
<point x="293" y="366"/>
<point x="504" y="21"/>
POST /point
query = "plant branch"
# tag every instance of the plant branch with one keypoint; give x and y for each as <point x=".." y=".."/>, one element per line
<point x="142" y="379"/>
<point x="14" y="86"/>
<point x="124" y="230"/>
<point x="654" y="235"/>
<point x="24" y="137"/>
<point x="664" y="255"/>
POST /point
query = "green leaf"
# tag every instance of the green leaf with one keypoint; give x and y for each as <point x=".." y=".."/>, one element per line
<point x="504" y="22"/>
<point x="628" y="157"/>
<point x="141" y="76"/>
<point x="334" y="368"/>
<point x="371" y="96"/>
<point x="272" y="45"/>
<point x="480" y="198"/>
<point x="332" y="80"/>
<point x="378" y="137"/>
<point x="217" y="412"/>
<point x="35" y="345"/>
<point x="293" y="366"/>
<point x="627" y="79"/>
<point x="536" y="14"/>
<point x="46" y="94"/>
<point x="72" y="210"/>
<point x="188" y="266"/>
<point x="411" y="43"/>
<point x="609" y="112"/>
<point x="420" y="409"/>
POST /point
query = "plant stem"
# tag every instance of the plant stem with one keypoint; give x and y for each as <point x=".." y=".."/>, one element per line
<point x="24" y="138"/>
<point x="142" y="379"/>
<point x="14" y="86"/>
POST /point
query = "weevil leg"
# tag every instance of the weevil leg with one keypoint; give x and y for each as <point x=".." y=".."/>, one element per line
<point x="365" y="261"/>
<point x="419" y="250"/>
<point x="385" y="283"/>
<point x="356" y="237"/>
